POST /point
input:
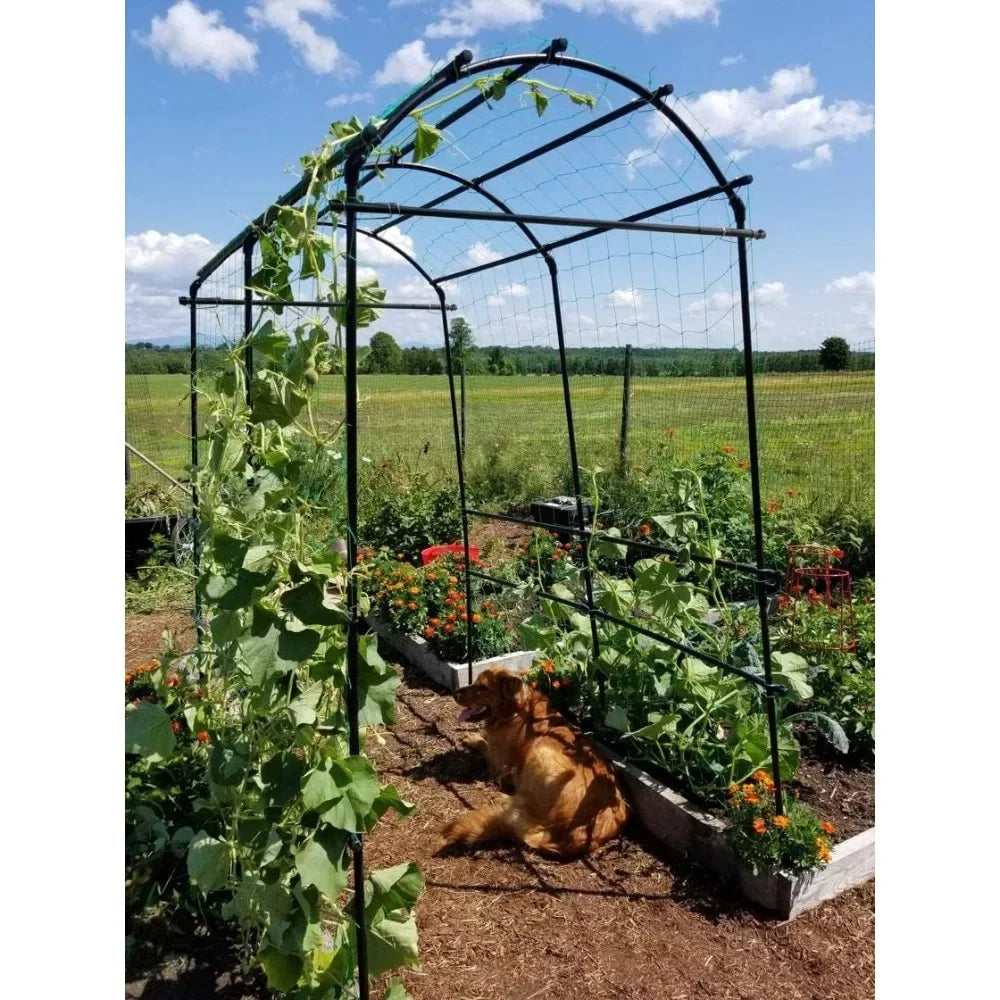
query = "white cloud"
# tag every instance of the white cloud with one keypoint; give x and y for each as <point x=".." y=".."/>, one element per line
<point x="159" y="267"/>
<point x="409" y="64"/>
<point x="193" y="39"/>
<point x="773" y="117"/>
<point x="377" y="254"/>
<point x="626" y="297"/>
<point x="767" y="293"/>
<point x="731" y="60"/>
<point x="506" y="293"/>
<point x="636" y="156"/>
<point x="863" y="282"/>
<point x="822" y="156"/>
<point x="339" y="100"/>
<point x="737" y="154"/>
<point x="319" y="52"/>
<point x="467" y="17"/>
<point x="482" y="253"/>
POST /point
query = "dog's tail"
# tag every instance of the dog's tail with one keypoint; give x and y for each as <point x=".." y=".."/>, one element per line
<point x="509" y="820"/>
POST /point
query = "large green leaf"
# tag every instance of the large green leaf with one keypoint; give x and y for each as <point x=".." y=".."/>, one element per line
<point x="388" y="798"/>
<point x="269" y="341"/>
<point x="389" y="895"/>
<point x="426" y="140"/>
<point x="282" y="777"/>
<point x="319" y="863"/>
<point x="397" y="991"/>
<point x="303" y="708"/>
<point x="792" y="672"/>
<point x="658" y="589"/>
<point x="282" y="970"/>
<point x="658" y="725"/>
<point x="311" y="606"/>
<point x="377" y="682"/>
<point x="275" y="398"/>
<point x="319" y="789"/>
<point x="148" y="731"/>
<point x="357" y="780"/>
<point x="208" y="862"/>
<point x="271" y="649"/>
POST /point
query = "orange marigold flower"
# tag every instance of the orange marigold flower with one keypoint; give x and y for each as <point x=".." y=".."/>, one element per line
<point x="129" y="678"/>
<point x="449" y="627"/>
<point x="451" y="618"/>
<point x="434" y="621"/>
<point x="411" y="606"/>
<point x="414" y="590"/>
<point x="759" y="826"/>
<point x="172" y="681"/>
<point x="772" y="506"/>
<point x="763" y="778"/>
<point x="790" y="493"/>
<point x="203" y="737"/>
<point x="752" y="797"/>
<point x="781" y="822"/>
<point x="733" y="789"/>
<point x="430" y="632"/>
<point x="175" y="726"/>
<point x="644" y="530"/>
<point x="476" y="619"/>
<point x="400" y="555"/>
<point x="555" y="684"/>
<point x="827" y="826"/>
<point x="397" y="603"/>
<point x="728" y="449"/>
<point x="743" y="465"/>
<point x="837" y="553"/>
<point x="548" y="666"/>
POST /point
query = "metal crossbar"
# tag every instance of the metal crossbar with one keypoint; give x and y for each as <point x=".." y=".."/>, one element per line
<point x="186" y="300"/>
<point x="466" y="214"/>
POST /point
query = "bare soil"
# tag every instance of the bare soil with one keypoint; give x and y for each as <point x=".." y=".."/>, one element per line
<point x="625" y="922"/>
<point x="144" y="634"/>
<point x="504" y="924"/>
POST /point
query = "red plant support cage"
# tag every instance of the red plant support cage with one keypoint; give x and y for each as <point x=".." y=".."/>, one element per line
<point x="819" y="595"/>
<point x="435" y="551"/>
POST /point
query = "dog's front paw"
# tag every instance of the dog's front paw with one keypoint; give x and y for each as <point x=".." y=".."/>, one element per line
<point x="474" y="741"/>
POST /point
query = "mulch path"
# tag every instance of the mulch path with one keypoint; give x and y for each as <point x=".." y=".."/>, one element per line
<point x="625" y="922"/>
<point x="505" y="924"/>
<point x="144" y="635"/>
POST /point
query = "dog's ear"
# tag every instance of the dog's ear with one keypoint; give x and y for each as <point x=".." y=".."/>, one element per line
<point x="510" y="686"/>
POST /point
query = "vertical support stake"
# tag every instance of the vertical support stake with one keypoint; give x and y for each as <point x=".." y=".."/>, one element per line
<point x="626" y="403"/>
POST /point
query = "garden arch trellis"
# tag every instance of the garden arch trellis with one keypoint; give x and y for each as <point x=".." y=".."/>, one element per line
<point x="362" y="160"/>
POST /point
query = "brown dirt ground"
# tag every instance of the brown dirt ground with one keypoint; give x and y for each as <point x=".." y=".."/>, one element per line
<point x="144" y="634"/>
<point x="626" y="922"/>
<point x="504" y="924"/>
<point x="843" y="795"/>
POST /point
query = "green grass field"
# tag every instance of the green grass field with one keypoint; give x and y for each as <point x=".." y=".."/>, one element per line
<point x="816" y="432"/>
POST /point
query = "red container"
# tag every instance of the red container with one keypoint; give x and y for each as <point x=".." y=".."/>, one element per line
<point x="429" y="555"/>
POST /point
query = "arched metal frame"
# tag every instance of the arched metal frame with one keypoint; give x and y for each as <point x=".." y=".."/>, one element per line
<point x="354" y="159"/>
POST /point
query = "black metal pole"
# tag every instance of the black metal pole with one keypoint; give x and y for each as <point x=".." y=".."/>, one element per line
<point x="462" y="376"/>
<point x="459" y="434"/>
<point x="199" y="629"/>
<point x="185" y="300"/>
<point x="758" y="519"/>
<point x="248" y="315"/>
<point x="128" y="468"/>
<point x="626" y="401"/>
<point x="352" y="170"/>
<point x="667" y="206"/>
<point x="573" y="461"/>
<point x="577" y="133"/>
<point x="573" y="221"/>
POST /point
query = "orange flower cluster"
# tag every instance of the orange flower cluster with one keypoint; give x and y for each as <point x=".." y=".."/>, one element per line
<point x="728" y="449"/>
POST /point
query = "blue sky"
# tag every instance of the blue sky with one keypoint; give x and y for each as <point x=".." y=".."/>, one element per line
<point x="222" y="97"/>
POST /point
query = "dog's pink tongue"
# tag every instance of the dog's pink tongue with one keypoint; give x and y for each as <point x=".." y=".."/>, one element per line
<point x="468" y="714"/>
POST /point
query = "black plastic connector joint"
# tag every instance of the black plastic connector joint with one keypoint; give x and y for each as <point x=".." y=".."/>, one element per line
<point x="460" y="62"/>
<point x="556" y="47"/>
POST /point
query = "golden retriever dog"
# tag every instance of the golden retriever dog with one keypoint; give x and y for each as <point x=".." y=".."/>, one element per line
<point x="566" y="800"/>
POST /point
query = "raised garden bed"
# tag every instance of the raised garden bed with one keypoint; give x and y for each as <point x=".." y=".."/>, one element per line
<point x="416" y="651"/>
<point x="684" y="828"/>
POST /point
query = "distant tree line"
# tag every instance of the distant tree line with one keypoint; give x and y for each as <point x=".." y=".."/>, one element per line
<point x="384" y="356"/>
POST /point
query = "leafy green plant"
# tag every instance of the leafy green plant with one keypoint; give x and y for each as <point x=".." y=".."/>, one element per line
<point x="793" y="842"/>
<point x="543" y="559"/>
<point x="430" y="601"/>
<point x="149" y="500"/>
